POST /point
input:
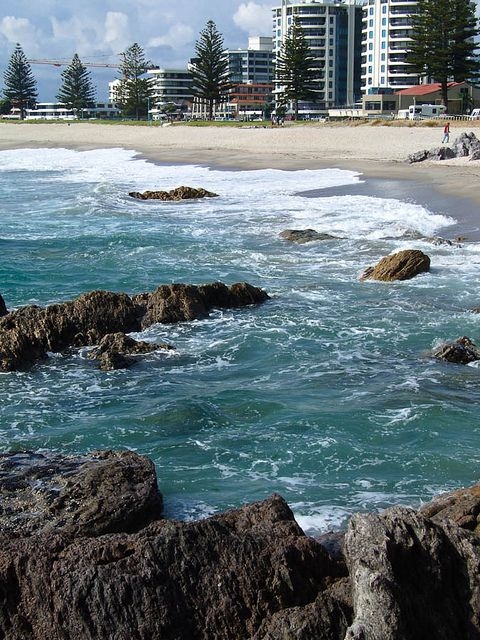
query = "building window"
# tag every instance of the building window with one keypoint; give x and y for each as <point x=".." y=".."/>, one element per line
<point x="370" y="11"/>
<point x="370" y="23"/>
<point x="370" y="34"/>
<point x="384" y="45"/>
<point x="382" y="68"/>
<point x="384" y="8"/>
<point x="370" y="57"/>
<point x="382" y="57"/>
<point x="369" y="69"/>
<point x="384" y="22"/>
<point x="370" y="46"/>
<point x="384" y="33"/>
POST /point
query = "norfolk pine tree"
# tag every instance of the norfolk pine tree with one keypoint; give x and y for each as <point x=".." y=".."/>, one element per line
<point x="210" y="68"/>
<point x="20" y="84"/>
<point x="295" y="68"/>
<point x="443" y="46"/>
<point x="77" y="91"/>
<point x="135" y="91"/>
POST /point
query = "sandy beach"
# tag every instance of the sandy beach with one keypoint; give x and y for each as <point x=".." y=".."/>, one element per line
<point x="377" y="152"/>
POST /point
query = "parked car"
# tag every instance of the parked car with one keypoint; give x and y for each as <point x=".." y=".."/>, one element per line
<point x="475" y="115"/>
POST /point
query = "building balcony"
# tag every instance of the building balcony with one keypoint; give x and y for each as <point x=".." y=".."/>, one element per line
<point x="400" y="33"/>
<point x="399" y="22"/>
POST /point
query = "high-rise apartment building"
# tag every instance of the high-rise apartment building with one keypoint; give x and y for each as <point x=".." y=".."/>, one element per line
<point x="386" y="35"/>
<point x="253" y="64"/>
<point x="333" y="30"/>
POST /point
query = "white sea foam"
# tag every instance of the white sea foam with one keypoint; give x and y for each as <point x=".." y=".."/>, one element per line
<point x="296" y="395"/>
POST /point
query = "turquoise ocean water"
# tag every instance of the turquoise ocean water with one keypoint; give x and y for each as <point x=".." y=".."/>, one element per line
<point x="325" y="394"/>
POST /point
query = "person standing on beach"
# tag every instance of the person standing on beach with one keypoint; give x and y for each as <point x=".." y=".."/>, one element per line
<point x="446" y="133"/>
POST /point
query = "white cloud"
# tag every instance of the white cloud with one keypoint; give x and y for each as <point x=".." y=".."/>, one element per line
<point x="255" y="19"/>
<point x="117" y="32"/>
<point x="20" y="30"/>
<point x="177" y="36"/>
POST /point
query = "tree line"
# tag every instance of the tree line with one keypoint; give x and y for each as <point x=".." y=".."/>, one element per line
<point x="443" y="48"/>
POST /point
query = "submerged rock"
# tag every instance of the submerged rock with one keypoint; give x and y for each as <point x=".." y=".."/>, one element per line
<point x="461" y="351"/>
<point x="28" y="334"/>
<point x="115" y="350"/>
<point x="402" y="265"/>
<point x="302" y="236"/>
<point x="179" y="193"/>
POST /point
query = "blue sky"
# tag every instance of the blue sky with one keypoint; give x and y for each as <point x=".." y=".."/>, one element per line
<point x="99" y="30"/>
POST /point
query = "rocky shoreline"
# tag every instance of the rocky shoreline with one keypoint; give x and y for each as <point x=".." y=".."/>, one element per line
<point x="85" y="554"/>
<point x="102" y="319"/>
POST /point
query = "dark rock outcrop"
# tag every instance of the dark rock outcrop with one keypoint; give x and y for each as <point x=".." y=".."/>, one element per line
<point x="179" y="193"/>
<point x="437" y="153"/>
<point x="402" y="265"/>
<point x="182" y="302"/>
<point x="466" y="145"/>
<point x="301" y="236"/>
<point x="3" y="307"/>
<point x="84" y="554"/>
<point x="461" y="351"/>
<point x="28" y="334"/>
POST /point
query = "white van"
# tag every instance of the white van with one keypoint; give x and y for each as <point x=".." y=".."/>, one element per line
<point x="419" y="111"/>
<point x="475" y="115"/>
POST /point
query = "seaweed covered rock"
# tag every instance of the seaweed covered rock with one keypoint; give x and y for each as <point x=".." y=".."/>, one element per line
<point x="302" y="236"/>
<point x="179" y="193"/>
<point x="402" y="265"/>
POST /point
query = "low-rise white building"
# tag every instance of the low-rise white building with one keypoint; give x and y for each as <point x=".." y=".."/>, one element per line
<point x="59" y="111"/>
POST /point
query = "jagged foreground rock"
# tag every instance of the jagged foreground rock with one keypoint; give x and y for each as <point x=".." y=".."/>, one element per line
<point x="84" y="555"/>
<point x="28" y="334"/>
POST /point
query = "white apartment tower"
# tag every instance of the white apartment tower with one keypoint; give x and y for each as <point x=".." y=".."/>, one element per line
<point x="386" y="34"/>
<point x="333" y="30"/>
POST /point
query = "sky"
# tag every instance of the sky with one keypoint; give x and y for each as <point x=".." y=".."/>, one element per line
<point x="99" y="30"/>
